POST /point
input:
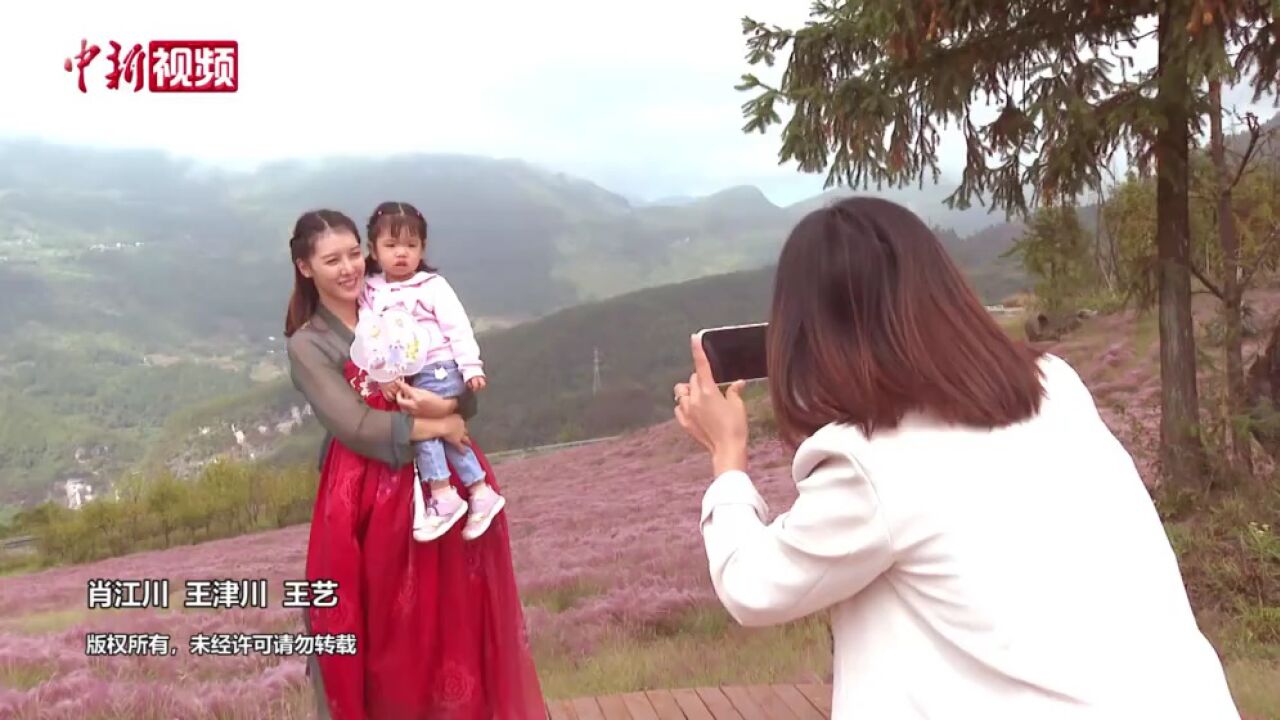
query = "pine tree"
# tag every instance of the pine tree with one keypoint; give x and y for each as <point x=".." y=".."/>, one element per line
<point x="872" y="81"/>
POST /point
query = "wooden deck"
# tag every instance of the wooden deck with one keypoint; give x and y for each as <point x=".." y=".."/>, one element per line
<point x="758" y="702"/>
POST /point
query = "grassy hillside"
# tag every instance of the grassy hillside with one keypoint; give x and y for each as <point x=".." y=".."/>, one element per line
<point x="541" y="372"/>
<point x="119" y="403"/>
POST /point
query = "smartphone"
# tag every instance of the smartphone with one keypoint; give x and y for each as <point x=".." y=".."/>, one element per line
<point x="736" y="352"/>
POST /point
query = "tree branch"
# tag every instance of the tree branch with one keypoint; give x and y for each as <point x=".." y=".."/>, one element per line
<point x="859" y="72"/>
<point x="1255" y="134"/>
<point x="1204" y="280"/>
<point x="1004" y="39"/>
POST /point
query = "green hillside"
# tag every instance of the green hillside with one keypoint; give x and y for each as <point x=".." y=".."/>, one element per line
<point x="142" y="291"/>
<point x="541" y="372"/>
<point x="144" y="296"/>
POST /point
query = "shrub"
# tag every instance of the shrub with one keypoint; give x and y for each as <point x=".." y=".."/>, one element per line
<point x="160" y="511"/>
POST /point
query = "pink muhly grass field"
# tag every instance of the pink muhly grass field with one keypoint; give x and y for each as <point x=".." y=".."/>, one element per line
<point x="605" y="540"/>
<point x="626" y="542"/>
<point x="45" y="672"/>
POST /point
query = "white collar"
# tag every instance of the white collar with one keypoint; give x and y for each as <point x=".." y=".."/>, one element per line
<point x="418" y="278"/>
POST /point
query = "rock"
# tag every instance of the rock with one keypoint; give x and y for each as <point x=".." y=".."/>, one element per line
<point x="1044" y="327"/>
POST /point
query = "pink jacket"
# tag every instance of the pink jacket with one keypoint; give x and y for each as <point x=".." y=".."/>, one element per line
<point x="430" y="299"/>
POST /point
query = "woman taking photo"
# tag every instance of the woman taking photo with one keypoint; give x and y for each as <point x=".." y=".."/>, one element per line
<point x="439" y="627"/>
<point x="983" y="543"/>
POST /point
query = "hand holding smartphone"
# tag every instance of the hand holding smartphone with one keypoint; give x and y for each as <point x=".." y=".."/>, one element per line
<point x="736" y="352"/>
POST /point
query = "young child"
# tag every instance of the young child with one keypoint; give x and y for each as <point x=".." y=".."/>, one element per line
<point x="401" y="280"/>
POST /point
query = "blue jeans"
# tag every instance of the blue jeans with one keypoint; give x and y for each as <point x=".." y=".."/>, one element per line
<point x="435" y="456"/>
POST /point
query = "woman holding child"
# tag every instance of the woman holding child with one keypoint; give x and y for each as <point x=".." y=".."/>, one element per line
<point x="437" y="618"/>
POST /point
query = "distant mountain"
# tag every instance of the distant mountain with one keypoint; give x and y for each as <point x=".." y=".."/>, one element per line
<point x="993" y="276"/>
<point x="209" y="247"/>
<point x="928" y="203"/>
<point x="104" y="238"/>
<point x="670" y="200"/>
<point x="143" y="292"/>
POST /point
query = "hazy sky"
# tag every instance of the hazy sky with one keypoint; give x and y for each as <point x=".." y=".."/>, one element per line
<point x="637" y="97"/>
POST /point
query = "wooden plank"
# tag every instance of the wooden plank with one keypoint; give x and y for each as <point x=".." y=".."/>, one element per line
<point x="642" y="709"/>
<point x="819" y="695"/>
<point x="754" y="702"/>
<point x="588" y="709"/>
<point x="718" y="704"/>
<point x="770" y="703"/>
<point x="745" y="704"/>
<point x="561" y="710"/>
<point x="691" y="705"/>
<point x="613" y="707"/>
<point x="799" y="705"/>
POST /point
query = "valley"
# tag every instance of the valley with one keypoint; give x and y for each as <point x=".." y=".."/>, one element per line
<point x="144" y="297"/>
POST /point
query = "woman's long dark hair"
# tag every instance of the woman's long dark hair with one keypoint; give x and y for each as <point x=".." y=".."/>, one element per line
<point x="395" y="219"/>
<point x="305" y="298"/>
<point x="871" y="319"/>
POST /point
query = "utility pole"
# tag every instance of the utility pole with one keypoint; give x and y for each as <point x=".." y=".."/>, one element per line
<point x="595" y="372"/>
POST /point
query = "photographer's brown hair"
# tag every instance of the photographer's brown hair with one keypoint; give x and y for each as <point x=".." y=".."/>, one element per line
<point x="871" y="320"/>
